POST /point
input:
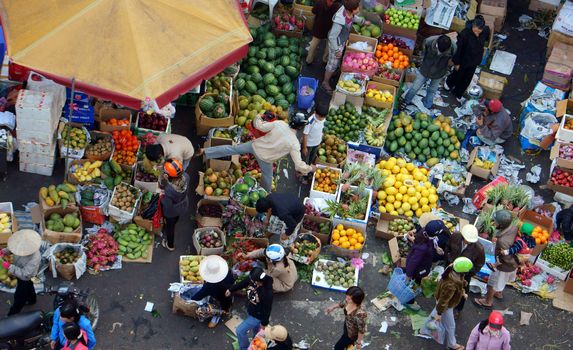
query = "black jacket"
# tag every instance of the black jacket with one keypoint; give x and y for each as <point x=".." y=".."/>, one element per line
<point x="217" y="290"/>
<point x="564" y="223"/>
<point x="282" y="345"/>
<point x="259" y="299"/>
<point x="175" y="202"/>
<point x="473" y="251"/>
<point x="435" y="63"/>
<point x="470" y="48"/>
<point x="287" y="207"/>
<point x="323" y="18"/>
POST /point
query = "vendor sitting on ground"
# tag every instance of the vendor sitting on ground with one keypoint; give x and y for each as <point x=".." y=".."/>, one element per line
<point x="279" y="266"/>
<point x="171" y="146"/>
<point x="287" y="207"/>
<point x="494" y="124"/>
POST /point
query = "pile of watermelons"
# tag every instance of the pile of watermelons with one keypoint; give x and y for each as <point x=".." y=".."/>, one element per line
<point x="270" y="68"/>
<point x="247" y="192"/>
<point x="422" y="138"/>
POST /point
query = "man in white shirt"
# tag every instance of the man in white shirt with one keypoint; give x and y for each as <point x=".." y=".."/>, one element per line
<point x="312" y="134"/>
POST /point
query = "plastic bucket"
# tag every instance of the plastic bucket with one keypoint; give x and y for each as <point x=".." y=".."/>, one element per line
<point x="305" y="101"/>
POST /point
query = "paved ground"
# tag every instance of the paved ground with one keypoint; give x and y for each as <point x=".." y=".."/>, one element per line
<point x="123" y="294"/>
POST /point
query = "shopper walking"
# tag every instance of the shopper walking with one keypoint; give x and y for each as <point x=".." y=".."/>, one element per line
<point x="354" y="319"/>
<point x="217" y="279"/>
<point x="465" y="243"/>
<point x="175" y="201"/>
<point x="323" y="11"/>
<point x="505" y="271"/>
<point x="338" y="36"/>
<point x="437" y="54"/>
<point x="25" y="248"/>
<point x="469" y="53"/>
<point x="259" y="288"/>
<point x="449" y="292"/>
<point x="494" y="125"/>
<point x="171" y="146"/>
<point x="280" y="139"/>
<point x="280" y="266"/>
<point x="490" y="334"/>
<point x="288" y="209"/>
<point x="437" y="232"/>
<point x="70" y="312"/>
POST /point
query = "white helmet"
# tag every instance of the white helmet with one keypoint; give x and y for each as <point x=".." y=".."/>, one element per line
<point x="470" y="233"/>
<point x="275" y="252"/>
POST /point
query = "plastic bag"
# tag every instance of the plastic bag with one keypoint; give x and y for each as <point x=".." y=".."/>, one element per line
<point x="433" y="329"/>
<point x="537" y="125"/>
<point x="79" y="266"/>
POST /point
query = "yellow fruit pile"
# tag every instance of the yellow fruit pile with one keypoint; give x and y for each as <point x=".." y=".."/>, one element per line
<point x="325" y="180"/>
<point x="378" y="95"/>
<point x="406" y="189"/>
<point x="347" y="238"/>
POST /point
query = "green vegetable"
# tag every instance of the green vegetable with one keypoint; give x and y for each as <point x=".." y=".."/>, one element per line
<point x="560" y="255"/>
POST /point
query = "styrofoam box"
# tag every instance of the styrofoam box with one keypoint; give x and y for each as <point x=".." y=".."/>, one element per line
<point x="550" y="269"/>
<point x="36" y="147"/>
<point x="36" y="136"/>
<point x="565" y="134"/>
<point x="123" y="216"/>
<point x="362" y="223"/>
<point x="38" y="158"/>
<point x="320" y="194"/>
<point x="40" y="169"/>
<point x="37" y="125"/>
<point x="36" y="106"/>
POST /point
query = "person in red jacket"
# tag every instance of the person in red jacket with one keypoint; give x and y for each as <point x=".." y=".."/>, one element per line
<point x="323" y="11"/>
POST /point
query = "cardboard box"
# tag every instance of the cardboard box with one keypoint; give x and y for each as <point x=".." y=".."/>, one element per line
<point x="568" y="287"/>
<point x="458" y="24"/>
<point x="497" y="8"/>
<point x="339" y="98"/>
<point x="382" y="230"/>
<point x="537" y="220"/>
<point x="380" y="86"/>
<point x="554" y="154"/>
<point x="7" y="208"/>
<point x="563" y="107"/>
<point x="181" y="307"/>
<point x="352" y="38"/>
<point x="543" y="5"/>
<point x="564" y="134"/>
<point x="105" y="114"/>
<point x="462" y="189"/>
<point x="324" y="238"/>
<point x="147" y="260"/>
<point x="203" y="123"/>
<point x="208" y="251"/>
<point x="559" y="188"/>
<point x="399" y="31"/>
<point x="220" y="164"/>
<point x="559" y="67"/>
<point x="492" y="85"/>
<point x="349" y="253"/>
<point x="481" y="172"/>
<point x="39" y="217"/>
<point x="396" y="83"/>
<point x="394" y="248"/>
<point x="200" y="190"/>
<point x="206" y="221"/>
<point x="556" y="37"/>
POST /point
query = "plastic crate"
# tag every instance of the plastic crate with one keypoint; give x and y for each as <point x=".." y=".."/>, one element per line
<point x="305" y="102"/>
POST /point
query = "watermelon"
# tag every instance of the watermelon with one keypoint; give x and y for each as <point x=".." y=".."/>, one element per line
<point x="262" y="93"/>
<point x="240" y="83"/>
<point x="280" y="96"/>
<point x="272" y="90"/>
<point x="268" y="78"/>
<point x="242" y="75"/>
<point x="285" y="61"/>
<point x="283" y="79"/>
<point x="206" y="105"/>
<point x="252" y="61"/>
<point x="291" y="98"/>
<point x="261" y="55"/>
<point x="268" y="35"/>
<point x="279" y="70"/>
<point x="254" y="69"/>
<point x="252" y="51"/>
<point x="268" y="67"/>
<point x="269" y="43"/>
<point x="218" y="111"/>
<point x="282" y="104"/>
<point x="291" y="71"/>
<point x="287" y="89"/>
<point x="271" y="54"/>
<point x="282" y="42"/>
<point x="251" y="87"/>
<point x="270" y="100"/>
<point x="256" y="78"/>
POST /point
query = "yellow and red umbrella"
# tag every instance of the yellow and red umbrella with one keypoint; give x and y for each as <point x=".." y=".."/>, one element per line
<point x="126" y="50"/>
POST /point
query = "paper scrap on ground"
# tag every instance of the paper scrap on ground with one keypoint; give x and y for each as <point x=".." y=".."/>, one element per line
<point x="503" y="62"/>
<point x="525" y="318"/>
<point x="149" y="306"/>
<point x="533" y="174"/>
<point x="383" y="327"/>
<point x="233" y="323"/>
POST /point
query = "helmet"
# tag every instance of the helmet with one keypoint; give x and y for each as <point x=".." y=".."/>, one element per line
<point x="494" y="105"/>
<point x="495" y="320"/>
<point x="275" y="252"/>
<point x="475" y="92"/>
<point x="297" y="121"/>
<point x="173" y="167"/>
<point x="463" y="265"/>
<point x="503" y="218"/>
<point x="526" y="228"/>
<point x="470" y="233"/>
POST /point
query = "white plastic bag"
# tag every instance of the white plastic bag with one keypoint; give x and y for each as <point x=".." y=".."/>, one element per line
<point x="537" y="125"/>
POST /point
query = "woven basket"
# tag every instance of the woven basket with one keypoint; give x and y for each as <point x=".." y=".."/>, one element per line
<point x="307" y="260"/>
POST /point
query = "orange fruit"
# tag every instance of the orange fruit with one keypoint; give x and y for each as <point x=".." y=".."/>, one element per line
<point x="537" y="241"/>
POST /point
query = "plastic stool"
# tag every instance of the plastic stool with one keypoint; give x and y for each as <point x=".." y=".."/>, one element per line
<point x="270" y="3"/>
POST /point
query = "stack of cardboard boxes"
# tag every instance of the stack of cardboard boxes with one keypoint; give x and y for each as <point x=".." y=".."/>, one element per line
<point x="559" y="68"/>
<point x="562" y="30"/>
<point x="37" y="116"/>
<point x="497" y="9"/>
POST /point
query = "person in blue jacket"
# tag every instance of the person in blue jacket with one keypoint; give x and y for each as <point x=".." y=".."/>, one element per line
<point x="69" y="312"/>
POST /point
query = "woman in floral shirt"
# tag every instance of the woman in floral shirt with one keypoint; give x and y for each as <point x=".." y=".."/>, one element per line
<point x="355" y="319"/>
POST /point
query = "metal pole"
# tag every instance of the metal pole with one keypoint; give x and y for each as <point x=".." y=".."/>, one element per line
<point x="71" y="111"/>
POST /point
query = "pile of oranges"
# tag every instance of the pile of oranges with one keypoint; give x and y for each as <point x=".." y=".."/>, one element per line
<point x="541" y="235"/>
<point x="325" y="180"/>
<point x="347" y="238"/>
<point x="258" y="343"/>
<point x="126" y="146"/>
<point x="389" y="53"/>
<point x="117" y="122"/>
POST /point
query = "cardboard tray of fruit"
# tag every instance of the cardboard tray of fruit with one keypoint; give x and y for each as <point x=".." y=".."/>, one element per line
<point x="145" y="180"/>
<point x="288" y="25"/>
<point x="189" y="269"/>
<point x="124" y="202"/>
<point x="83" y="171"/>
<point x="100" y="147"/>
<point x="305" y="248"/>
<point x="327" y="274"/>
<point x="135" y="244"/>
<point x="155" y="123"/>
<point x="79" y="139"/>
<point x="209" y="241"/>
<point x="323" y="179"/>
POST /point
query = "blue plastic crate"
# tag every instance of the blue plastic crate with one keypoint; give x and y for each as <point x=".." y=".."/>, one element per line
<point x="82" y="113"/>
<point x="305" y="102"/>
